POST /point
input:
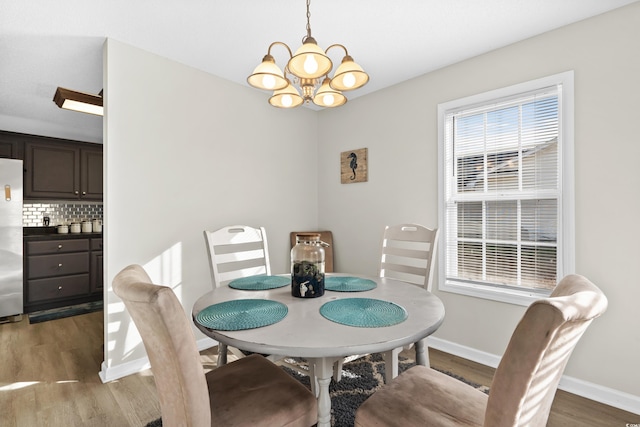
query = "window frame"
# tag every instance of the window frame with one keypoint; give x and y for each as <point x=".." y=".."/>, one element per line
<point x="566" y="215"/>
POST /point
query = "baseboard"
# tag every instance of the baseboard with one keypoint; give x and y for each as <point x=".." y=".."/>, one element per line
<point x="133" y="367"/>
<point x="465" y="352"/>
<point x="206" y="343"/>
<point x="112" y="373"/>
<point x="605" y="395"/>
<point x="608" y="396"/>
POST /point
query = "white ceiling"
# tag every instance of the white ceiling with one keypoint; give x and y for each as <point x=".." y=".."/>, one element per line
<point x="45" y="44"/>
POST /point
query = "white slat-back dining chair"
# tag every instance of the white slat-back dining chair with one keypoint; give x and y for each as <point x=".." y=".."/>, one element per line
<point x="236" y="251"/>
<point x="408" y="254"/>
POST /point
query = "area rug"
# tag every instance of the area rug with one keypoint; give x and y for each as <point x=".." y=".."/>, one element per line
<point x="59" y="313"/>
<point x="360" y="378"/>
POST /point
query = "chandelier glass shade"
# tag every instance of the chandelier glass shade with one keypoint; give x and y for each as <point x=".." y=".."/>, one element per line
<point x="268" y="75"/>
<point x="286" y="98"/>
<point x="326" y="96"/>
<point x="306" y="75"/>
<point x="349" y="75"/>
<point x="309" y="61"/>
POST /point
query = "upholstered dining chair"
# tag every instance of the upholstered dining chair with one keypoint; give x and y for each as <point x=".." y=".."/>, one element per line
<point x="524" y="383"/>
<point x="408" y="254"/>
<point x="248" y="392"/>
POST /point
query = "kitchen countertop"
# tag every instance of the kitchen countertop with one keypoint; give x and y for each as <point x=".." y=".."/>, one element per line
<point x="51" y="233"/>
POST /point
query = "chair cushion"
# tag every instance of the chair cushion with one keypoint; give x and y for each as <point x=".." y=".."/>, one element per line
<point x="247" y="392"/>
<point x="438" y="400"/>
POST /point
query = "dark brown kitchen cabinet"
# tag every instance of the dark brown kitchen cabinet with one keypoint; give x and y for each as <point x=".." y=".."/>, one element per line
<point x="11" y="146"/>
<point x="62" y="170"/>
<point x="61" y="271"/>
<point x="91" y="173"/>
<point x="9" y="150"/>
<point x="97" y="270"/>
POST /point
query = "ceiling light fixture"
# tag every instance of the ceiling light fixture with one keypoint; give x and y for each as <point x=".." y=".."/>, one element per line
<point x="78" y="101"/>
<point x="309" y="69"/>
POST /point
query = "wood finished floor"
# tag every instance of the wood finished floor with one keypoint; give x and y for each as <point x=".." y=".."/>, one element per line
<point x="49" y="377"/>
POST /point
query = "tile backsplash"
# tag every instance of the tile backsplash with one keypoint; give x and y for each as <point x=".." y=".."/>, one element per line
<point x="58" y="212"/>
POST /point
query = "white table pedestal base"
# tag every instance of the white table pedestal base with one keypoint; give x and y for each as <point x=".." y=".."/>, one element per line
<point x="324" y="371"/>
<point x="422" y="356"/>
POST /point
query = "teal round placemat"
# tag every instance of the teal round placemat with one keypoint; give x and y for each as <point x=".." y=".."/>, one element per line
<point x="348" y="284"/>
<point x="239" y="314"/>
<point x="259" y="283"/>
<point x="363" y="312"/>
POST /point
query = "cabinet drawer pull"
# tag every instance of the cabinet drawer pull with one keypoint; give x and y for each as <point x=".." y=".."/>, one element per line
<point x="60" y="265"/>
<point x="84" y="193"/>
<point x="75" y="192"/>
<point x="59" y="287"/>
<point x="59" y="246"/>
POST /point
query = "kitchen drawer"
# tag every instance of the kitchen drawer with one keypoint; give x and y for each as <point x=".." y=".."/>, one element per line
<point x="59" y="287"/>
<point x="96" y="244"/>
<point x="57" y="246"/>
<point x="57" y="265"/>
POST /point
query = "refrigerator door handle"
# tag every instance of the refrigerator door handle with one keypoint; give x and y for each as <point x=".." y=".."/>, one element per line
<point x="7" y="192"/>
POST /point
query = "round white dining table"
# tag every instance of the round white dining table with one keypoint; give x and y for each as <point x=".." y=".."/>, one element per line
<point x="304" y="332"/>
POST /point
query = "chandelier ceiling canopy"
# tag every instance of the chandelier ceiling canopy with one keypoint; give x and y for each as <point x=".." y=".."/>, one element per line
<point x="308" y="69"/>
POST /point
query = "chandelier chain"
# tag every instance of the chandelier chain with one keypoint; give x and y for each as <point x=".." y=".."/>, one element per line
<point x="308" y="19"/>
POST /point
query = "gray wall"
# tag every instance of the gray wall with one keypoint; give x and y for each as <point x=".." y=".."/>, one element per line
<point x="399" y="127"/>
<point x="186" y="151"/>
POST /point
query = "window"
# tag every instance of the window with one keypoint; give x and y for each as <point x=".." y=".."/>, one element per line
<point x="506" y="191"/>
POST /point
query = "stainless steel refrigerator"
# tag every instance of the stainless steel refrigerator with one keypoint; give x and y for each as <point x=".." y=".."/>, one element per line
<point x="11" y="240"/>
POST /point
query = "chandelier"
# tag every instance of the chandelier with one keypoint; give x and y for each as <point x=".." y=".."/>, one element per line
<point x="308" y="69"/>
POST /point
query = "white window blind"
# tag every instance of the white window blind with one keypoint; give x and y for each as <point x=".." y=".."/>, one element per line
<point x="502" y="196"/>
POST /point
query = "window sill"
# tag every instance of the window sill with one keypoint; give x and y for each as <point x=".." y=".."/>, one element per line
<point x="509" y="296"/>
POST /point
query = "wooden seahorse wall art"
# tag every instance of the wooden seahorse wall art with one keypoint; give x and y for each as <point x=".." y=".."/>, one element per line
<point x="353" y="166"/>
